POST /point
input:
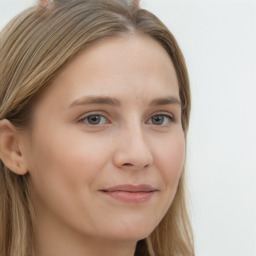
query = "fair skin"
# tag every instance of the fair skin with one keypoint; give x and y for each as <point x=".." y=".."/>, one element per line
<point x="112" y="117"/>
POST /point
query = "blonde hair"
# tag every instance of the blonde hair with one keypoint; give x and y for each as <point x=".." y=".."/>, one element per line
<point x="34" y="47"/>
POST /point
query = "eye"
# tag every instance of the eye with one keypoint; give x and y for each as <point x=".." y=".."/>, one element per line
<point x="161" y="119"/>
<point x="94" y="120"/>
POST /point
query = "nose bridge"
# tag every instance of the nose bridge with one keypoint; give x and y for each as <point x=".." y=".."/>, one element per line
<point x="136" y="138"/>
<point x="133" y="150"/>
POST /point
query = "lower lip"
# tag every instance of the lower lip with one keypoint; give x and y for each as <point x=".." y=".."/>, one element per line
<point x="131" y="197"/>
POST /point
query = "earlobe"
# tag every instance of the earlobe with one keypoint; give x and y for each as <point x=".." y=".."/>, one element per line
<point x="10" y="152"/>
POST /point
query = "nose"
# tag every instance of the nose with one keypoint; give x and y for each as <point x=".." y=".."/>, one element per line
<point x="132" y="152"/>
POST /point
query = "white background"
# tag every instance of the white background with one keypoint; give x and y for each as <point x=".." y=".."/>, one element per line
<point x="218" y="39"/>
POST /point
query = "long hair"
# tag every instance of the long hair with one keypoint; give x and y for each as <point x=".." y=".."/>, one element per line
<point x="34" y="47"/>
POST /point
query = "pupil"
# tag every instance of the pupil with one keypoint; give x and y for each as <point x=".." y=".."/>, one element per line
<point x="94" y="119"/>
<point x="158" y="119"/>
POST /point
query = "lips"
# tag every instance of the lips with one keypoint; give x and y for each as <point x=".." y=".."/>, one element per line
<point x="131" y="193"/>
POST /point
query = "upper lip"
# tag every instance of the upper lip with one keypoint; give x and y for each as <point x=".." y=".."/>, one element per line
<point x="131" y="188"/>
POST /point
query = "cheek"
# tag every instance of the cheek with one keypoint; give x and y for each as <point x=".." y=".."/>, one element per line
<point x="170" y="159"/>
<point x="67" y="158"/>
<point x="64" y="172"/>
<point x="65" y="163"/>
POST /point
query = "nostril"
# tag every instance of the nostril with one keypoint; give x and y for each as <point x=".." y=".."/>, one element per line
<point x="134" y="166"/>
<point x="128" y="164"/>
<point x="132" y="160"/>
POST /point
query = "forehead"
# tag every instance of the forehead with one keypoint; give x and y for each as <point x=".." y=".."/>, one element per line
<point x="129" y="66"/>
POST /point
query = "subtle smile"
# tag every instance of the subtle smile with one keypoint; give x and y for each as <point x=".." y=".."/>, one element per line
<point x="131" y="193"/>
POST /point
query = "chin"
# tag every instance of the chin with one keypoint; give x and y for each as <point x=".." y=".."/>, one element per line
<point x="133" y="232"/>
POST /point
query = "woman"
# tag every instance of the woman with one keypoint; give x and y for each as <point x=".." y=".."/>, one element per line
<point x="94" y="112"/>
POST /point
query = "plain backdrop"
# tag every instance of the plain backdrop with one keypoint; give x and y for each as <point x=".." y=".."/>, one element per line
<point x="218" y="39"/>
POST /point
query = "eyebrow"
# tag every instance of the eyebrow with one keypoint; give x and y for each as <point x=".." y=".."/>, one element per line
<point x="96" y="100"/>
<point x="165" y="101"/>
<point x="115" y="102"/>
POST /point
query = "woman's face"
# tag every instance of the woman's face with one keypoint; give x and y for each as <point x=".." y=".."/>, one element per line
<point x="107" y="147"/>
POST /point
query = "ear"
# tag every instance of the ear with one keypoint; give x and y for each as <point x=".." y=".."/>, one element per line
<point x="10" y="152"/>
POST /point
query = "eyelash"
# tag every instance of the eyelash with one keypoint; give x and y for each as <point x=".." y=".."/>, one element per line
<point x="93" y="115"/>
<point x="170" y="118"/>
<point x="165" y="116"/>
